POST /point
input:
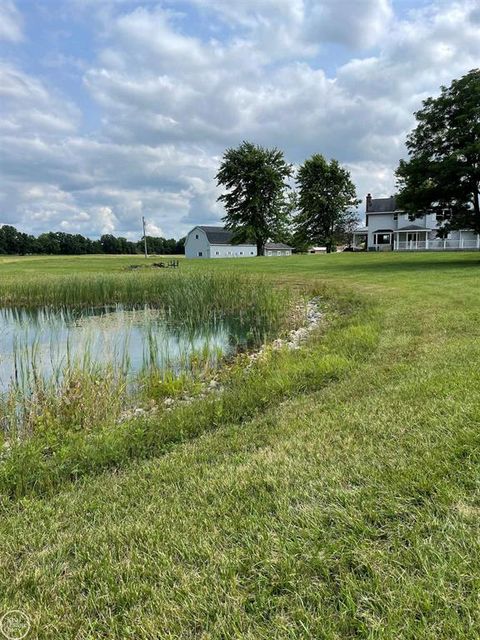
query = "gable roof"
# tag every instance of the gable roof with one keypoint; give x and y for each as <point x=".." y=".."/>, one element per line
<point x="381" y="205"/>
<point x="271" y="246"/>
<point x="414" y="227"/>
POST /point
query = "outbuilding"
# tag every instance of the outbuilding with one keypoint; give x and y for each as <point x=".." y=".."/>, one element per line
<point x="217" y="242"/>
<point x="277" y="249"/>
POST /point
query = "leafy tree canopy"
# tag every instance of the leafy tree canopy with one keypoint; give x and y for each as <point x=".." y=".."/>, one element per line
<point x="255" y="201"/>
<point x="326" y="201"/>
<point x="443" y="172"/>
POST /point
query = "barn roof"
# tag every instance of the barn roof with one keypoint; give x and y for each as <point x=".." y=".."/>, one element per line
<point x="220" y="235"/>
<point x="217" y="235"/>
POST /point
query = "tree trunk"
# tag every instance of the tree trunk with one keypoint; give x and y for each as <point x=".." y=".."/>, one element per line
<point x="260" y="247"/>
<point x="476" y="209"/>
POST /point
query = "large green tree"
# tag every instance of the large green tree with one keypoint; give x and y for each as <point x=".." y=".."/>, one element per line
<point x="255" y="201"/>
<point x="443" y="172"/>
<point x="326" y="202"/>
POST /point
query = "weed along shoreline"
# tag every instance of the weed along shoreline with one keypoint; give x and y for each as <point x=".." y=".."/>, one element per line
<point x="122" y="339"/>
<point x="55" y="412"/>
<point x="212" y="385"/>
<point x="70" y="438"/>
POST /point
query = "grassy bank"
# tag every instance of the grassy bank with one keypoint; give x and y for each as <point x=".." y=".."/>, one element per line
<point x="339" y="502"/>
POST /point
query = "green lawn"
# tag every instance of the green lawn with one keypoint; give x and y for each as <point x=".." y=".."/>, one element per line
<point x="348" y="507"/>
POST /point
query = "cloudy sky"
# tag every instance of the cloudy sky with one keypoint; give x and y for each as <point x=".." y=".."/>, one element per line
<point x="114" y="109"/>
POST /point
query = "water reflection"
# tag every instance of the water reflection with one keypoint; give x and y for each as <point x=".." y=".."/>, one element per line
<point x="45" y="341"/>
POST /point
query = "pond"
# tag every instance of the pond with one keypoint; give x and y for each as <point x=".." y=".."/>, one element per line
<point x="43" y="343"/>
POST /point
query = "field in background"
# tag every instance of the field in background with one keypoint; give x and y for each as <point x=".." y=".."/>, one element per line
<point x="346" y="506"/>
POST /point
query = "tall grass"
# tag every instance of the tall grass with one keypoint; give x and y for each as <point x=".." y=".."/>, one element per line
<point x="188" y="297"/>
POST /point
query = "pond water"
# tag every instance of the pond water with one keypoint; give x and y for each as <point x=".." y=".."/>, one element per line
<point x="43" y="342"/>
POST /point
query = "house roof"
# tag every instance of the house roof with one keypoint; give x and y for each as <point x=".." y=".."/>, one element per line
<point x="270" y="246"/>
<point x="413" y="227"/>
<point x="382" y="205"/>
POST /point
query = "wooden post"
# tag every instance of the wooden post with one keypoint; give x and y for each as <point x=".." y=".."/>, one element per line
<point x="144" y="237"/>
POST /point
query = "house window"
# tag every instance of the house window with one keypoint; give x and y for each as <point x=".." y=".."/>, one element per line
<point x="217" y="253"/>
<point x="251" y="253"/>
<point x="200" y="254"/>
<point x="383" y="238"/>
<point x="395" y="216"/>
<point x="279" y="253"/>
<point x="241" y="253"/>
<point x="196" y="236"/>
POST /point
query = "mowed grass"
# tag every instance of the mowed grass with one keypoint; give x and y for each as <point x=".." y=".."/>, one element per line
<point x="346" y="509"/>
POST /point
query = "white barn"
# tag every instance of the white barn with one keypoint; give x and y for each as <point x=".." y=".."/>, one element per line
<point x="216" y="242"/>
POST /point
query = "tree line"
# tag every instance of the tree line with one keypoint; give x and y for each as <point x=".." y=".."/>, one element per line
<point x="14" y="242"/>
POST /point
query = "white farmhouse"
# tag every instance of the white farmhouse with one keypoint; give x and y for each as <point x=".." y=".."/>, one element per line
<point x="390" y="229"/>
<point x="216" y="242"/>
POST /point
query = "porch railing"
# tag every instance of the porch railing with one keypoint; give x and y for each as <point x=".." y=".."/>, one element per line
<point x="436" y="245"/>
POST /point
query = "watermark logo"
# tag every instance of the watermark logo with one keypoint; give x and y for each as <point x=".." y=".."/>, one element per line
<point x="15" y="625"/>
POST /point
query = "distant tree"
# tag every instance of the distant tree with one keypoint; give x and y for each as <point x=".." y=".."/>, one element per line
<point x="256" y="182"/>
<point x="109" y="243"/>
<point x="8" y="239"/>
<point x="13" y="241"/>
<point x="443" y="172"/>
<point x="180" y="246"/>
<point x="326" y="198"/>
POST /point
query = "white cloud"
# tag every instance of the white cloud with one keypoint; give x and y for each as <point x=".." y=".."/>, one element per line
<point x="11" y="23"/>
<point x="360" y="24"/>
<point x="27" y="106"/>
